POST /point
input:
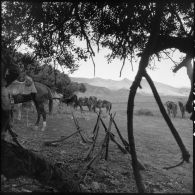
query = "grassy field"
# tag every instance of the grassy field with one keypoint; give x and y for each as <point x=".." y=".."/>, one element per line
<point x="155" y="145"/>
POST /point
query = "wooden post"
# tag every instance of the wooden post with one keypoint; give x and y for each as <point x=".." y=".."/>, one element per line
<point x="111" y="135"/>
<point x="78" y="128"/>
<point x="108" y="139"/>
<point x="49" y="143"/>
<point x="127" y="147"/>
<point x="97" y="122"/>
<point x="98" y="154"/>
<point x="90" y="151"/>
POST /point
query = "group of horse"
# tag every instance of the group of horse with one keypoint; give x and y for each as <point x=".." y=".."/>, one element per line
<point x="90" y="102"/>
<point x="172" y="108"/>
<point x="44" y="94"/>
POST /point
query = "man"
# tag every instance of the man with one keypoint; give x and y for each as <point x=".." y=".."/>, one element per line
<point x="9" y="73"/>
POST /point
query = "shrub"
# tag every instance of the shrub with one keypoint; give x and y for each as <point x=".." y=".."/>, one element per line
<point x="144" y="112"/>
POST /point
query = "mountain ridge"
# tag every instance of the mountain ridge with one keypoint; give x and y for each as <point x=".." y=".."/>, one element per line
<point x="124" y="84"/>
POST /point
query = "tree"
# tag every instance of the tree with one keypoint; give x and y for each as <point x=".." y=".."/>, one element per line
<point x="124" y="28"/>
<point x="128" y="29"/>
<point x="82" y="88"/>
<point x="54" y="79"/>
<point x="35" y="24"/>
<point x="72" y="88"/>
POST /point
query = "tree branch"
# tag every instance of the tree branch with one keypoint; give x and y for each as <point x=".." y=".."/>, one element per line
<point x="187" y="63"/>
<point x="178" y="18"/>
<point x="169" y="58"/>
<point x="93" y="64"/>
<point x="83" y="31"/>
<point x="122" y="66"/>
<point x="184" y="44"/>
<point x="178" y="139"/>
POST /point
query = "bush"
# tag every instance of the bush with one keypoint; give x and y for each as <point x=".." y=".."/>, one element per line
<point x="144" y="112"/>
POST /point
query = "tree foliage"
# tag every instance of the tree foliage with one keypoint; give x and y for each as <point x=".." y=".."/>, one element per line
<point x="51" y="27"/>
<point x="73" y="88"/>
<point x="36" y="24"/>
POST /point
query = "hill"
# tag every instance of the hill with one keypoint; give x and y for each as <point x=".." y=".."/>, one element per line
<point x="108" y="83"/>
<point x="163" y="89"/>
<point x="112" y="87"/>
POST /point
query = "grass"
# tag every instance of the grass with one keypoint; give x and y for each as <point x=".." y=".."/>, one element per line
<point x="145" y="112"/>
<point x="155" y="146"/>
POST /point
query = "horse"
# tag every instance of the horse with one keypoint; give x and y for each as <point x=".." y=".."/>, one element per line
<point x="42" y="96"/>
<point x="182" y="108"/>
<point x="171" y="108"/>
<point x="83" y="101"/>
<point x="92" y="101"/>
<point x="106" y="104"/>
<point x="99" y="104"/>
<point x="28" y="106"/>
<point x="72" y="100"/>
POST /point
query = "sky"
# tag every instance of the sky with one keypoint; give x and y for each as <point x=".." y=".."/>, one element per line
<point x="162" y="73"/>
<point x="105" y="70"/>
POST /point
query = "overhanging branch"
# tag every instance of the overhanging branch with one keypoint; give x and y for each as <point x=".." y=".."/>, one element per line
<point x="184" y="44"/>
<point x="178" y="18"/>
<point x="187" y="63"/>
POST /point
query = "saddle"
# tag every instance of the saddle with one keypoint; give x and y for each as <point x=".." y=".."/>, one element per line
<point x="24" y="88"/>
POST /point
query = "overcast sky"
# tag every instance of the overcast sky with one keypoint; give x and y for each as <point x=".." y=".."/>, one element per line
<point x="162" y="73"/>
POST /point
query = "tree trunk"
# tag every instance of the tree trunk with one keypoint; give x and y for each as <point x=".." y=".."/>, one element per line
<point x="16" y="161"/>
<point x="152" y="42"/>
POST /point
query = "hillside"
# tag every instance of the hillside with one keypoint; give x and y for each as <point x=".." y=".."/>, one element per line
<point x="113" y="87"/>
<point x="163" y="89"/>
<point x="108" y="83"/>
